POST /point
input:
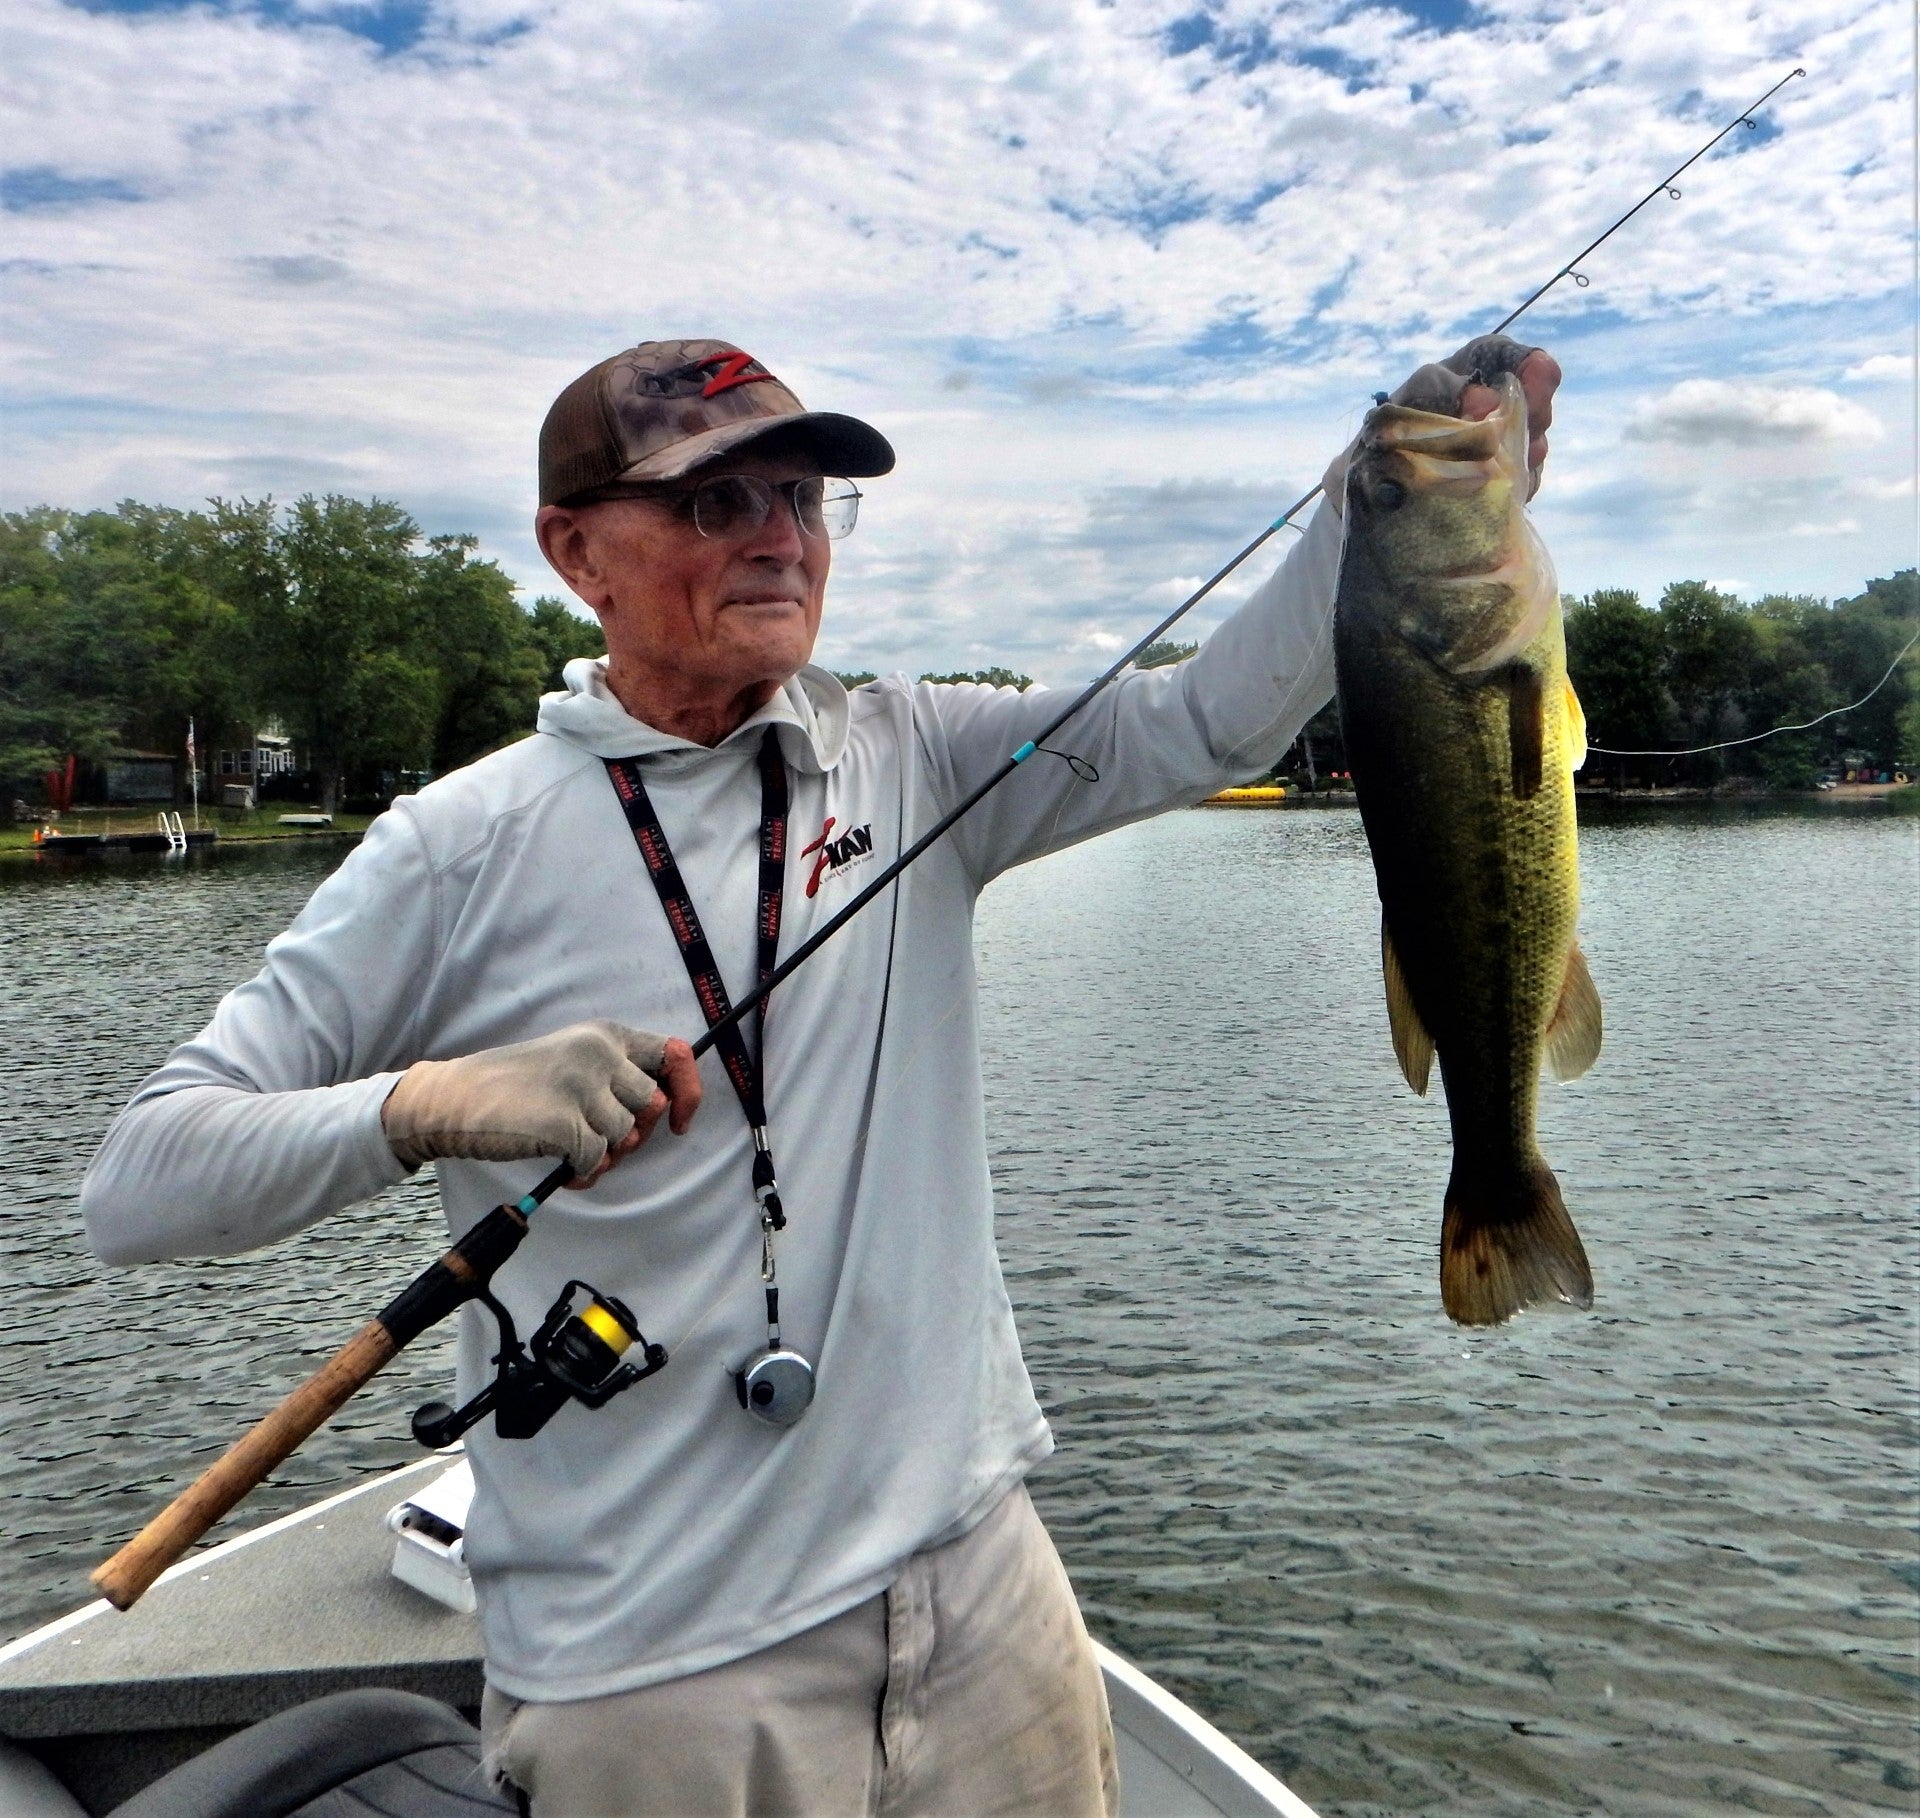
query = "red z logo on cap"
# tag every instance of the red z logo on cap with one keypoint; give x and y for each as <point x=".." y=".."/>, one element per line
<point x="732" y="370"/>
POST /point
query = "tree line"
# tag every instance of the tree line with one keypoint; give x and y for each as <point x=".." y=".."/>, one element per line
<point x="1157" y="655"/>
<point x="376" y="649"/>
<point x="1702" y="667"/>
<point x="380" y="651"/>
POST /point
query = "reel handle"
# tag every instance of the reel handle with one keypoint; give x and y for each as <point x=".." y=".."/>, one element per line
<point x="124" y="1577"/>
<point x="458" y="1276"/>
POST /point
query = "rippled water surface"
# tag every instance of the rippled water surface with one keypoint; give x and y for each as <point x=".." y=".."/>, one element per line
<point x="1658" y="1558"/>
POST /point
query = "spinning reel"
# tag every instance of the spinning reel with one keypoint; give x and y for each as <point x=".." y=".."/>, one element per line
<point x="574" y="1356"/>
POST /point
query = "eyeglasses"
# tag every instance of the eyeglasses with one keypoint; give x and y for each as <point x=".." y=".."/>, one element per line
<point x="737" y="504"/>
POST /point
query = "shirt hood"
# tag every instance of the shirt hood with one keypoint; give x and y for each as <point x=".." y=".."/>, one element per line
<point x="810" y="712"/>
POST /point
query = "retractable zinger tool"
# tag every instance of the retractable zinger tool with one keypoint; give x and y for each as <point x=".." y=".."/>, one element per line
<point x="581" y="1355"/>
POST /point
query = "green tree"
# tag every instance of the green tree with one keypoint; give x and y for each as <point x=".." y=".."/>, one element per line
<point x="1616" y="659"/>
<point x="559" y="635"/>
<point x="195" y="659"/>
<point x="483" y="648"/>
<point x="111" y="634"/>
<point x="1858" y="642"/>
<point x="1709" y="652"/>
<point x="1162" y="652"/>
<point x="1906" y="751"/>
<point x="1787" y="686"/>
<point x="338" y="638"/>
<point x="45" y="711"/>
<point x="853" y="678"/>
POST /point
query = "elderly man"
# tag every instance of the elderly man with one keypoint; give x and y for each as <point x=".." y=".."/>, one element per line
<point x="797" y="1571"/>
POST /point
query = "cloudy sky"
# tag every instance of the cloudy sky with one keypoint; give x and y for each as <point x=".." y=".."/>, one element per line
<point x="1115" y="278"/>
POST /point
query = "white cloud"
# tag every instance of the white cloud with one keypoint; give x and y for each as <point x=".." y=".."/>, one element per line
<point x="1700" y="411"/>
<point x="1114" y="305"/>
<point x="1897" y="486"/>
<point x="1880" y="367"/>
<point x="1840" y="527"/>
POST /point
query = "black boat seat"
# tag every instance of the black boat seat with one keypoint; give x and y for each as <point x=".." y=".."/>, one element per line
<point x="339" y="1757"/>
<point x="28" y="1790"/>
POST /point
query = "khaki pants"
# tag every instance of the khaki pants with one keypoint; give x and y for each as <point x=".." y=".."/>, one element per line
<point x="968" y="1688"/>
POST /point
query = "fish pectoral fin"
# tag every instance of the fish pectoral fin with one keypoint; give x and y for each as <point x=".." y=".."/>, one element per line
<point x="1573" y="1034"/>
<point x="1412" y="1045"/>
<point x="1526" y="729"/>
<point x="1576" y="728"/>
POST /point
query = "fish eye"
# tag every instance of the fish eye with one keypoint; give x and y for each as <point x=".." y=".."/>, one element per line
<point x="1388" y="495"/>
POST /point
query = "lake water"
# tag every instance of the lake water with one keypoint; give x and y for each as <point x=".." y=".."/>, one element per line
<point x="1657" y="1558"/>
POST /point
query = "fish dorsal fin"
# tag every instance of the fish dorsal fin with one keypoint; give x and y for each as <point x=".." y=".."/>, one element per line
<point x="1526" y="729"/>
<point x="1576" y="728"/>
<point x="1573" y="1036"/>
<point x="1412" y="1045"/>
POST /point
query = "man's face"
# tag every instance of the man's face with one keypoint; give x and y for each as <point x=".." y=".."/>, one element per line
<point x="720" y="614"/>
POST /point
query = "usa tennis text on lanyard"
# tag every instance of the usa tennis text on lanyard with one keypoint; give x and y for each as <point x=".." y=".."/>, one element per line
<point x="776" y="1384"/>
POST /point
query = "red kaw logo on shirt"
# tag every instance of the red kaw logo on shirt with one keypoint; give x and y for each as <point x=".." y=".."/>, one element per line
<point x="836" y="855"/>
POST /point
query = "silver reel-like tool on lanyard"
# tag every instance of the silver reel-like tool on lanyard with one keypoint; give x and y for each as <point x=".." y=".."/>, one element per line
<point x="776" y="1383"/>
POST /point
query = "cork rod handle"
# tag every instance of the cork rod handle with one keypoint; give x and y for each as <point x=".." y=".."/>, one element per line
<point x="125" y="1576"/>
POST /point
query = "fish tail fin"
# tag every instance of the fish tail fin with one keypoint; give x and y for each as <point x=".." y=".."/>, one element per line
<point x="1508" y="1244"/>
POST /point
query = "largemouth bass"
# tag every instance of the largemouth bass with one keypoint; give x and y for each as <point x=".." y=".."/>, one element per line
<point x="1463" y="733"/>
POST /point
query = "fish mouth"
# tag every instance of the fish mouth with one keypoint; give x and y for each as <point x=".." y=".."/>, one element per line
<point x="1494" y="569"/>
<point x="1424" y="452"/>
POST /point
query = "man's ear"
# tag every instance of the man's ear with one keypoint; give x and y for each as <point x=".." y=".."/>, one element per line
<point x="563" y="539"/>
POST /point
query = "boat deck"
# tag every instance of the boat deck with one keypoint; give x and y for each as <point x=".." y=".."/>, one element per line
<point x="308" y="1605"/>
<point x="286" y="1612"/>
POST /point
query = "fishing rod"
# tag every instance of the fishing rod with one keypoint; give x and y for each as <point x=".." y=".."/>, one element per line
<point x="579" y="1353"/>
<point x="1665" y="185"/>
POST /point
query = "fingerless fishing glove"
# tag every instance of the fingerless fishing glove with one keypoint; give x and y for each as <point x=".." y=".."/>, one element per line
<point x="569" y="1095"/>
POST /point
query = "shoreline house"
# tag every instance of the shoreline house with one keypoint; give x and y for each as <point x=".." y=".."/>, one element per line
<point x="267" y="752"/>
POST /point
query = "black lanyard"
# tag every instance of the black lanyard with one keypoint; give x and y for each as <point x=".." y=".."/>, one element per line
<point x="745" y="1070"/>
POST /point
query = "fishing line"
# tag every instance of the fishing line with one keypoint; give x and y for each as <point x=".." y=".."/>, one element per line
<point x="1753" y="738"/>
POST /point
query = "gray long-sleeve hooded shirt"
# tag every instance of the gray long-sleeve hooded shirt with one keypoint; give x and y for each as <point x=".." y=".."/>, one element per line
<point x="669" y="1532"/>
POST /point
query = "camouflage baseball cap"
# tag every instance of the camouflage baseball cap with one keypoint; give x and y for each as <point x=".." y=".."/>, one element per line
<point x="664" y="408"/>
